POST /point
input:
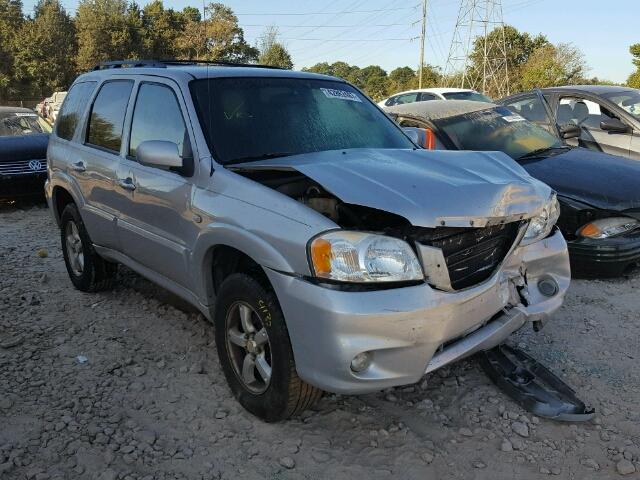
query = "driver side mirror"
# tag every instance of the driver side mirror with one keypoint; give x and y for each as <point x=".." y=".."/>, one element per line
<point x="414" y="134"/>
<point x="164" y="154"/>
<point x="569" y="130"/>
<point x="613" y="125"/>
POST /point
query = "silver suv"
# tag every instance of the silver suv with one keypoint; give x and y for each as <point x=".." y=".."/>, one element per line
<point x="328" y="250"/>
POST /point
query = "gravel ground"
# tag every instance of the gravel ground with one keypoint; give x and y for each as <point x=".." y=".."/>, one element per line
<point x="126" y="385"/>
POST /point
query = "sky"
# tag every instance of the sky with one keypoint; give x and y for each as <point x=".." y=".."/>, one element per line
<point x="386" y="32"/>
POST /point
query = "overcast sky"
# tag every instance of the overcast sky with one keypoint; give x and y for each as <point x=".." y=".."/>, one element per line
<point x="383" y="32"/>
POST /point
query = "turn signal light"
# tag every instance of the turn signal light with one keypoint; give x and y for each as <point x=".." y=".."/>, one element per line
<point x="429" y="139"/>
<point x="321" y="255"/>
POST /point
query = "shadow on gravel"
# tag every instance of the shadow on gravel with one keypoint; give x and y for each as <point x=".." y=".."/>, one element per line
<point x="24" y="203"/>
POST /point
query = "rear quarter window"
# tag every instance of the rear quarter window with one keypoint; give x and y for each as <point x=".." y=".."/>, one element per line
<point x="72" y="109"/>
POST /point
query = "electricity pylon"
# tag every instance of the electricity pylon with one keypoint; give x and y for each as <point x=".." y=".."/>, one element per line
<point x="478" y="54"/>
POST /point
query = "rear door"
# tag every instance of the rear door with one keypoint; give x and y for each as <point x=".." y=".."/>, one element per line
<point x="156" y="226"/>
<point x="93" y="160"/>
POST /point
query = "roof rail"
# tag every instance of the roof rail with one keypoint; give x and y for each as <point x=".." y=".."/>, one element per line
<point x="172" y="62"/>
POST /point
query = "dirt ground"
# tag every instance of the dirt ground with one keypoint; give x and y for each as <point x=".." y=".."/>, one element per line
<point x="126" y="385"/>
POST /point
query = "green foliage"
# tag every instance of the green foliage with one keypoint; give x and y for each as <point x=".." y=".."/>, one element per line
<point x="272" y="52"/>
<point x="551" y="65"/>
<point x="11" y="20"/>
<point x="45" y="61"/>
<point x="634" y="79"/>
<point x="216" y="37"/>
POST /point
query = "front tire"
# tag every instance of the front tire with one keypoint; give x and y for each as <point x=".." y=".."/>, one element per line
<point x="255" y="351"/>
<point x="87" y="270"/>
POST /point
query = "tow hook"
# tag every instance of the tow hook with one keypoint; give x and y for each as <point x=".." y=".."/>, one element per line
<point x="532" y="385"/>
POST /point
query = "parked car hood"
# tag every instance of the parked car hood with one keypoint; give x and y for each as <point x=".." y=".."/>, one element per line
<point x="23" y="147"/>
<point x="428" y="188"/>
<point x="597" y="179"/>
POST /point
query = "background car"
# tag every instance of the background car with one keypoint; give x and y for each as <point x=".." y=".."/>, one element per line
<point x="599" y="194"/>
<point x="425" y="94"/>
<point x="608" y="116"/>
<point x="23" y="150"/>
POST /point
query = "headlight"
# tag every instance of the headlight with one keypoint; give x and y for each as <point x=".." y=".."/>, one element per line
<point x="363" y="257"/>
<point x="540" y="227"/>
<point x="608" y="227"/>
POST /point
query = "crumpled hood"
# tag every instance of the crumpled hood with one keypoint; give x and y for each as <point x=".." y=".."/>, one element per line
<point x="595" y="178"/>
<point x="426" y="187"/>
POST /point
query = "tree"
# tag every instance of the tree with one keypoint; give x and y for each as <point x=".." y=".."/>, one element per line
<point x="217" y="37"/>
<point x="519" y="48"/>
<point x="104" y="32"/>
<point x="551" y="65"/>
<point x="402" y="78"/>
<point x="634" y="78"/>
<point x="161" y="29"/>
<point x="11" y="20"/>
<point x="272" y="52"/>
<point x="44" y="57"/>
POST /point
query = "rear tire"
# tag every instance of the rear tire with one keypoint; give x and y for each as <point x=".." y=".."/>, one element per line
<point x="87" y="270"/>
<point x="250" y="330"/>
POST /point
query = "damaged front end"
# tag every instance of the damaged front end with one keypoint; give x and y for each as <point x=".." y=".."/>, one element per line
<point x="469" y="257"/>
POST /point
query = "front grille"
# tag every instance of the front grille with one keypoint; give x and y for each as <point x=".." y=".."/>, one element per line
<point x="21" y="167"/>
<point x="472" y="255"/>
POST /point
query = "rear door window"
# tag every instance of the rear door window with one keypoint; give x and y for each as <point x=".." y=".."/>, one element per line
<point x="107" y="115"/>
<point x="72" y="109"/>
<point x="156" y="102"/>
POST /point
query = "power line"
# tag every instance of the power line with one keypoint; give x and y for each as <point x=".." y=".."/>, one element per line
<point x="327" y="13"/>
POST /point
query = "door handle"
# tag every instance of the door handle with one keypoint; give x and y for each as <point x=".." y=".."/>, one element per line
<point x="127" y="183"/>
<point x="78" y="166"/>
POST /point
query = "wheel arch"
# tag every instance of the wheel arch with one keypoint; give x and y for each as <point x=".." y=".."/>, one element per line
<point x="233" y="250"/>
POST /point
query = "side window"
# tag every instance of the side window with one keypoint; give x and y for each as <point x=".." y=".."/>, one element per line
<point x="107" y="115"/>
<point x="582" y="112"/>
<point x="427" y="96"/>
<point x="532" y="109"/>
<point x="391" y="101"/>
<point x="158" y="102"/>
<point x="406" y="98"/>
<point x="72" y="109"/>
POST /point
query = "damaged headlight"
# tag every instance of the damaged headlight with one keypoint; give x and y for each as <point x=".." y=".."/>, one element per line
<point x="363" y="258"/>
<point x="608" y="227"/>
<point x="540" y="227"/>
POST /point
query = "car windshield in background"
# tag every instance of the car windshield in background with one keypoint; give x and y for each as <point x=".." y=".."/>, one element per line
<point x="18" y="123"/>
<point x="254" y="118"/>
<point x="628" y="100"/>
<point x="475" y="96"/>
<point x="498" y="129"/>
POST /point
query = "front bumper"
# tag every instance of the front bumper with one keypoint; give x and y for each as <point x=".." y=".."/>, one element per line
<point x="417" y="329"/>
<point x="608" y="257"/>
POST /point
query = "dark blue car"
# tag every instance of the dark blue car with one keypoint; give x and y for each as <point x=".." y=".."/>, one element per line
<point x="599" y="194"/>
<point x="23" y="152"/>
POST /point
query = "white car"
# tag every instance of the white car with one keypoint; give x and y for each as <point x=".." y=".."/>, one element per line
<point x="424" y="94"/>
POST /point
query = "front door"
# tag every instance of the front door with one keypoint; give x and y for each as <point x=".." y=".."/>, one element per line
<point x="588" y="114"/>
<point x="156" y="227"/>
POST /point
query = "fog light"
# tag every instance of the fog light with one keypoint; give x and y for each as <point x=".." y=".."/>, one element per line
<point x="361" y="362"/>
<point x="548" y="287"/>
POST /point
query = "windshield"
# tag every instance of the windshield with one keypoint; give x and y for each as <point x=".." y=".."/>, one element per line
<point x="22" y="123"/>
<point x="628" y="100"/>
<point x="478" y="97"/>
<point x="254" y="118"/>
<point x="497" y="129"/>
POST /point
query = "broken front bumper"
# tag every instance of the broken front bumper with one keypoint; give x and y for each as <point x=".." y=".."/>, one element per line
<point x="412" y="330"/>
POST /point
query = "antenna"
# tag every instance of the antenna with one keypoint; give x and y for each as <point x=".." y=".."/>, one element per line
<point x="478" y="54"/>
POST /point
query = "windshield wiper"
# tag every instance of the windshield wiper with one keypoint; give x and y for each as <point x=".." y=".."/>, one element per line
<point x="262" y="156"/>
<point x="540" y="151"/>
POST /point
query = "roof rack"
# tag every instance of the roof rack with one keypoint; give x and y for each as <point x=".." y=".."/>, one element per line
<point x="172" y="62"/>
